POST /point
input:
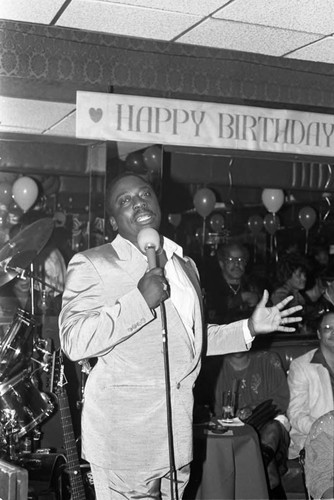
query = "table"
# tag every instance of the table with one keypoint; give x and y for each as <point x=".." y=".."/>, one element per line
<point x="226" y="466"/>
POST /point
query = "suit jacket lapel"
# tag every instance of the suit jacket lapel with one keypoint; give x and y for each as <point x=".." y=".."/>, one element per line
<point x="191" y="273"/>
<point x="129" y="259"/>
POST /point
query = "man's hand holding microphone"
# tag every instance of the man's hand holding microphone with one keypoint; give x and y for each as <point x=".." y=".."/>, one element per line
<point x="153" y="285"/>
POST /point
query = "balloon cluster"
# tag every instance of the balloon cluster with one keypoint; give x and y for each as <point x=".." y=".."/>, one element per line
<point x="149" y="160"/>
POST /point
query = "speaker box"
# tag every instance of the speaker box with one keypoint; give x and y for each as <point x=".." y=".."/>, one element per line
<point x="13" y="482"/>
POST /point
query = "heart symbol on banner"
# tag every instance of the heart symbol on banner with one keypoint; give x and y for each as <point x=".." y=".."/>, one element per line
<point x="95" y="114"/>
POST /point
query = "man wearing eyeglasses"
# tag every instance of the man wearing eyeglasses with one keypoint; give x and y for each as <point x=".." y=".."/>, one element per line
<point x="230" y="294"/>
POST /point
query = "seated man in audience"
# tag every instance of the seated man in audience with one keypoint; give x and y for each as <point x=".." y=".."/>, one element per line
<point x="319" y="458"/>
<point x="258" y="377"/>
<point x="311" y="383"/>
<point x="230" y="293"/>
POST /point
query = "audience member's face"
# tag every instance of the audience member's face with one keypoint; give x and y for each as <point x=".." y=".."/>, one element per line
<point x="233" y="264"/>
<point x="326" y="331"/>
<point x="134" y="206"/>
<point x="298" y="279"/>
<point x="322" y="257"/>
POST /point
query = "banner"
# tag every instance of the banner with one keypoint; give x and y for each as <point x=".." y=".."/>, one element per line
<point x="118" y="117"/>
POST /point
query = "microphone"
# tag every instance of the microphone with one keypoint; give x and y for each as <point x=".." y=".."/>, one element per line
<point x="149" y="241"/>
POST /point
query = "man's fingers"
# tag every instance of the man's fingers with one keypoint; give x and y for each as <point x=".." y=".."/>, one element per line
<point x="291" y="310"/>
<point x="264" y="299"/>
<point x="290" y="319"/>
<point x="286" y="329"/>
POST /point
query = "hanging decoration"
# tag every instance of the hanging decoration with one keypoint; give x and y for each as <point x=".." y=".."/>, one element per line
<point x="327" y="198"/>
<point x="307" y="217"/>
<point x="217" y="222"/>
<point x="273" y="199"/>
<point x="25" y="192"/>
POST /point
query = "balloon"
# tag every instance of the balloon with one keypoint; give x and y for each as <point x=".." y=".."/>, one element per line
<point x="152" y="158"/>
<point x="271" y="223"/>
<point x="25" y="192"/>
<point x="204" y="201"/>
<point x="217" y="222"/>
<point x="174" y="219"/>
<point x="255" y="223"/>
<point x="272" y="199"/>
<point x="5" y="193"/>
<point x="135" y="162"/>
<point x="307" y="217"/>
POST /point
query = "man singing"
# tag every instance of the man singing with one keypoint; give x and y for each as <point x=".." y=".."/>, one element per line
<point x="111" y="311"/>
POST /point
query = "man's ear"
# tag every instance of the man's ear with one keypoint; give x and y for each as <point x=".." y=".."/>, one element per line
<point x="113" y="223"/>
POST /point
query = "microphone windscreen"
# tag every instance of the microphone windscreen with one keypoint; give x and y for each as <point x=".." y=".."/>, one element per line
<point x="148" y="237"/>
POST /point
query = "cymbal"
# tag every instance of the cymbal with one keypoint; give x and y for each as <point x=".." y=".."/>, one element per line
<point x="19" y="252"/>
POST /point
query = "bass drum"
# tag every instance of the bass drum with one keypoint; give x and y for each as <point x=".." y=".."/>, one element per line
<point x="22" y="405"/>
<point x="16" y="345"/>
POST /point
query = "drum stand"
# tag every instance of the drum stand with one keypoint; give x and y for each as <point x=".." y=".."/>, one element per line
<point x="22" y="405"/>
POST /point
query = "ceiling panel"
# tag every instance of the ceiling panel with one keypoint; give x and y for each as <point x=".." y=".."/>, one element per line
<point x="31" y="116"/>
<point x="125" y="20"/>
<point x="322" y="51"/>
<point x="186" y="7"/>
<point x="31" y="11"/>
<point x="246" y="37"/>
<point x="311" y="16"/>
<point x="282" y="28"/>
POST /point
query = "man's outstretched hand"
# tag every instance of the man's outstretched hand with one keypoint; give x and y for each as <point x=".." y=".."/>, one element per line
<point x="272" y="319"/>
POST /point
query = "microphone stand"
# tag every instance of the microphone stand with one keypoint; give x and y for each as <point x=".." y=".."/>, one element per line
<point x="173" y="477"/>
<point x="148" y="240"/>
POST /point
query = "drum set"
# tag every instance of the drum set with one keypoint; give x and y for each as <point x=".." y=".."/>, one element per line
<point x="24" y="354"/>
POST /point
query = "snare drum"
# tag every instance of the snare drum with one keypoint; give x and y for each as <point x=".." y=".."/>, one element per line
<point x="16" y="346"/>
<point x="24" y="402"/>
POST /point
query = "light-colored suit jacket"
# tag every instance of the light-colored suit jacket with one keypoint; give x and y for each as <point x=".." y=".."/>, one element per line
<point x="104" y="315"/>
<point x="311" y="396"/>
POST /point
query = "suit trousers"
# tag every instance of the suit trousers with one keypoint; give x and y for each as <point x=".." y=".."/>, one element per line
<point x="133" y="485"/>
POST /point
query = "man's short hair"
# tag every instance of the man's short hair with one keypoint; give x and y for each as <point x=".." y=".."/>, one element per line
<point x="223" y="251"/>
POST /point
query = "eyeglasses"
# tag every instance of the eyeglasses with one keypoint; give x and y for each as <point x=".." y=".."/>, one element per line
<point x="327" y="329"/>
<point x="236" y="260"/>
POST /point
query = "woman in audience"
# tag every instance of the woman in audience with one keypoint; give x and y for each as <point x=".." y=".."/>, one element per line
<point x="311" y="383"/>
<point x="296" y="277"/>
